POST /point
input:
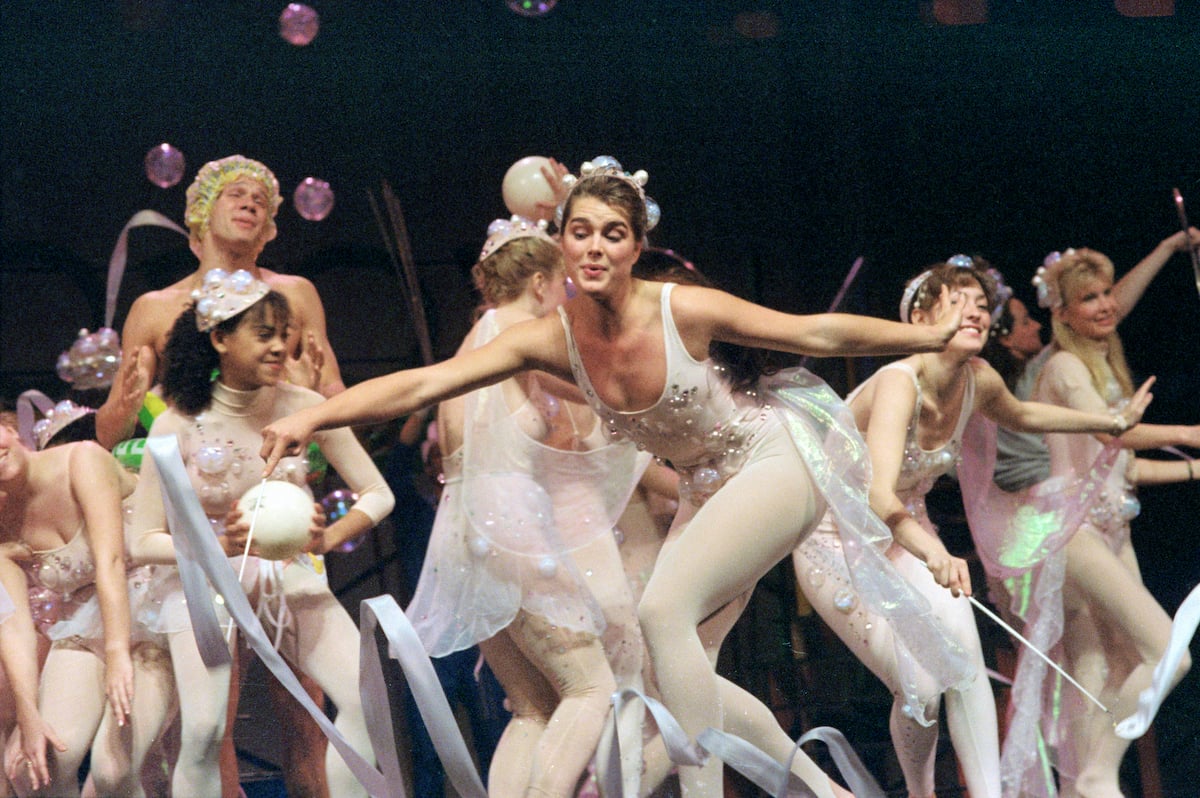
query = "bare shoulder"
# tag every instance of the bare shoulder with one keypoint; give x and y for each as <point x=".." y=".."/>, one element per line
<point x="540" y="342"/>
<point x="154" y="312"/>
<point x="290" y="285"/>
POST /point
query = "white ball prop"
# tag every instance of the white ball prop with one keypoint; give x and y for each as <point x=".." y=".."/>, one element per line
<point x="285" y="516"/>
<point x="525" y="186"/>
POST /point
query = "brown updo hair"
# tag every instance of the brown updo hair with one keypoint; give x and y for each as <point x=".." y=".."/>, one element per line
<point x="614" y="192"/>
<point x="501" y="276"/>
<point x="948" y="275"/>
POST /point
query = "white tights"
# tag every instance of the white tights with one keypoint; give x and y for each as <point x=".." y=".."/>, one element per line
<point x="558" y="683"/>
<point x="712" y="559"/>
<point x="970" y="710"/>
<point x="71" y="699"/>
<point x="1115" y="634"/>
<point x="321" y="641"/>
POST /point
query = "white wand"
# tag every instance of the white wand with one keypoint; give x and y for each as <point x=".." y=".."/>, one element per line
<point x="246" y="550"/>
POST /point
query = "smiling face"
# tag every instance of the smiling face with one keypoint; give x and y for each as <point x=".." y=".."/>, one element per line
<point x="1089" y="308"/>
<point x="253" y="353"/>
<point x="599" y="245"/>
<point x="12" y="454"/>
<point x="976" y="319"/>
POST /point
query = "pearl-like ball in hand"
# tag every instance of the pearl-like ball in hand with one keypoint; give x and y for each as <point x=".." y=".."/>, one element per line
<point x="281" y="529"/>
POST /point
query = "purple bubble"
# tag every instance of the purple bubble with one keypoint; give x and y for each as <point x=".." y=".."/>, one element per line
<point x="299" y="24"/>
<point x="164" y="165"/>
<point x="313" y="199"/>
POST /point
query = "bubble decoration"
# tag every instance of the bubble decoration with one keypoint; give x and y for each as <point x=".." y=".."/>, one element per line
<point x="313" y="199"/>
<point x="299" y="24"/>
<point x="164" y="165"/>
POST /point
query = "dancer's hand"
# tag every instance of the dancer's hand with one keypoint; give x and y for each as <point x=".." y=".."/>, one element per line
<point x="316" y="532"/>
<point x="948" y="313"/>
<point x="15" y="550"/>
<point x="950" y="572"/>
<point x="305" y="369"/>
<point x="237" y="529"/>
<point x="118" y="674"/>
<point x="1132" y="414"/>
<point x="283" y="438"/>
<point x="26" y="752"/>
<point x="554" y="174"/>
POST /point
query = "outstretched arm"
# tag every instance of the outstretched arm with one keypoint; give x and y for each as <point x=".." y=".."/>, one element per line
<point x="1129" y="288"/>
<point x="724" y="317"/>
<point x="997" y="403"/>
<point x="535" y="344"/>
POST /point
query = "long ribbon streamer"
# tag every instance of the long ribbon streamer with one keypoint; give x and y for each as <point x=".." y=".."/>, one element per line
<point x="1183" y="629"/>
<point x="120" y="254"/>
<point x="199" y="555"/>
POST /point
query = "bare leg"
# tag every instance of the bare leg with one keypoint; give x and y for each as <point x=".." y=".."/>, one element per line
<point x="70" y="699"/>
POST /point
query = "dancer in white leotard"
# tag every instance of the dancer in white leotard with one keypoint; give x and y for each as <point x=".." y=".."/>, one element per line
<point x="749" y="496"/>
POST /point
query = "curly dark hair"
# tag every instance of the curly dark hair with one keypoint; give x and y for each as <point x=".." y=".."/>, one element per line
<point x="191" y="359"/>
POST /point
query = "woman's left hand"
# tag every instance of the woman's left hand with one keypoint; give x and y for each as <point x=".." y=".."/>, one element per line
<point x="118" y="674"/>
<point x="948" y="313"/>
<point x="1131" y="416"/>
<point x="237" y="529"/>
<point x="316" y="532"/>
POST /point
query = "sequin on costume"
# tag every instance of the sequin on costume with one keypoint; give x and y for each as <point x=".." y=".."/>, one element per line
<point x="512" y="512"/>
<point x="710" y="432"/>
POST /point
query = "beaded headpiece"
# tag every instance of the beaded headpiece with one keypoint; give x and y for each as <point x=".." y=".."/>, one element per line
<point x="1046" y="281"/>
<point x="608" y="165"/>
<point x="501" y="231"/>
<point x="222" y="296"/>
<point x="92" y="361"/>
<point x="212" y="179"/>
<point x="36" y="434"/>
<point x="914" y="292"/>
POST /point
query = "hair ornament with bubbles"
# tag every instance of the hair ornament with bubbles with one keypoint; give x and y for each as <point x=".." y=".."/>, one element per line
<point x="608" y="165"/>
<point x="222" y="296"/>
<point x="1046" y="281"/>
<point x="1003" y="293"/>
<point x="56" y="419"/>
<point x="914" y="292"/>
<point x="501" y="231"/>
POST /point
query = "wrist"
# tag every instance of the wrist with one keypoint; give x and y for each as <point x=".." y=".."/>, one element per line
<point x="1119" y="424"/>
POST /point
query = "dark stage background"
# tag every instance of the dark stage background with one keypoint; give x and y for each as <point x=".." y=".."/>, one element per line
<point x="783" y="140"/>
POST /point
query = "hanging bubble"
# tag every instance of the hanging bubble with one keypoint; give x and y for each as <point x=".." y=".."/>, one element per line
<point x="532" y="8"/>
<point x="314" y="199"/>
<point x="164" y="165"/>
<point x="298" y="24"/>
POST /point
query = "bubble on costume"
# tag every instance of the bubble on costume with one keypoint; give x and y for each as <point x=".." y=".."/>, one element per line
<point x="845" y="600"/>
<point x="525" y="186"/>
<point x="164" y="165"/>
<point x="92" y="361"/>
<point x="285" y="516"/>
<point x="299" y="24"/>
<point x="336" y="504"/>
<point x="532" y="8"/>
<point x="313" y="199"/>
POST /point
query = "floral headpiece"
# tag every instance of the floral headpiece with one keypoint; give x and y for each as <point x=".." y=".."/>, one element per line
<point x="92" y="361"/>
<point x="222" y="296"/>
<point x="608" y="165"/>
<point x="1046" y="281"/>
<point x="212" y="179"/>
<point x="501" y="231"/>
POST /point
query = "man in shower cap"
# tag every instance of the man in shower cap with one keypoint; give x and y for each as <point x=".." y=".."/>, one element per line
<point x="231" y="207"/>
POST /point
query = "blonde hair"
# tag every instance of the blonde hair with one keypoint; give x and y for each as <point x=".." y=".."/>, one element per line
<point x="1073" y="270"/>
<point x="502" y="276"/>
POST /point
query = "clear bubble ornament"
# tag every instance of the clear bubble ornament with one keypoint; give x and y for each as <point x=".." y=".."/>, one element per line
<point x="299" y="24"/>
<point x="532" y="8"/>
<point x="313" y="199"/>
<point x="164" y="165"/>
